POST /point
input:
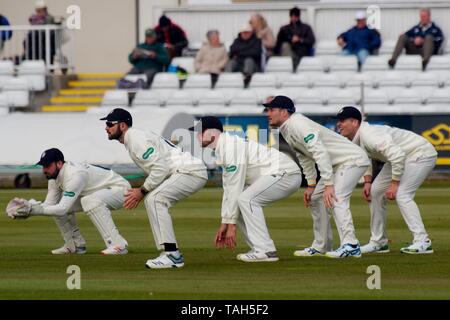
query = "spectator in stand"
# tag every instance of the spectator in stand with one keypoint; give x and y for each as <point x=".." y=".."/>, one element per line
<point x="295" y="39"/>
<point x="263" y="32"/>
<point x="149" y="57"/>
<point x="212" y="56"/>
<point x="5" y="35"/>
<point x="172" y="36"/>
<point x="425" y="39"/>
<point x="359" y="40"/>
<point x="245" y="53"/>
<point x="35" y="42"/>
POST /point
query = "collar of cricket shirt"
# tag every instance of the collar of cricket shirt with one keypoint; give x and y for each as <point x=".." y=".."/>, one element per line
<point x="356" y="138"/>
<point x="126" y="138"/>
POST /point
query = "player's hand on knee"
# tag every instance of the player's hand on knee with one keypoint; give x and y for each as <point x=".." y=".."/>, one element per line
<point x="329" y="196"/>
<point x="132" y="198"/>
<point x="391" y="192"/>
<point x="366" y="191"/>
<point x="307" y="196"/>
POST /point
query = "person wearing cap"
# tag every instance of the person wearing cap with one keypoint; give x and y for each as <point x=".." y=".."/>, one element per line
<point x="425" y="39"/>
<point x="341" y="165"/>
<point x="76" y="187"/>
<point x="149" y="57"/>
<point x="172" y="36"/>
<point x="41" y="15"/>
<point x="171" y="176"/>
<point x="245" y="53"/>
<point x="295" y="39"/>
<point x="360" y="40"/>
<point x="253" y="176"/>
<point x="409" y="159"/>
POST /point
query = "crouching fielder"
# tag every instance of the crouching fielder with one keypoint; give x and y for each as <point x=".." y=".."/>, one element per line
<point x="76" y="187"/>
<point x="253" y="176"/>
<point x="409" y="159"/>
<point x="172" y="175"/>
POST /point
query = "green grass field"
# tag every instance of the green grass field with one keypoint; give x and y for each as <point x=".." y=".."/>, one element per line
<point x="29" y="271"/>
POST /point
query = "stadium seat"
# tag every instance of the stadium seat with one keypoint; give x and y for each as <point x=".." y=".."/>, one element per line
<point x="6" y="70"/>
<point x="343" y="63"/>
<point x="387" y="47"/>
<point x="428" y="78"/>
<point x="355" y="79"/>
<point x="296" y="80"/>
<point x="230" y="80"/>
<point x="245" y="97"/>
<point x="212" y="98"/>
<point x="393" y="78"/>
<point x="408" y="62"/>
<point x="328" y="80"/>
<point x="376" y="63"/>
<point x="342" y="97"/>
<point x="180" y="98"/>
<point x="439" y="96"/>
<point x="263" y="80"/>
<point x="279" y="65"/>
<point x="3" y="102"/>
<point x="34" y="71"/>
<point x="407" y="96"/>
<point x="165" y="80"/>
<point x="375" y="97"/>
<point x="148" y="98"/>
<point x="311" y="64"/>
<point x="327" y="47"/>
<point x="186" y="63"/>
<point x="115" y="98"/>
<point x="439" y="64"/>
<point x="16" y="91"/>
<point x="198" y="81"/>
<point x="310" y="96"/>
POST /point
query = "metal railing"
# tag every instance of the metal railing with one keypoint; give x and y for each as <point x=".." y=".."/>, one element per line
<point x="52" y="43"/>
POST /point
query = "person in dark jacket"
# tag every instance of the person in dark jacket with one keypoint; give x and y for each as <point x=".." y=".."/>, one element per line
<point x="295" y="39"/>
<point x="425" y="39"/>
<point x="172" y="36"/>
<point x="245" y="53"/>
<point x="5" y="35"/>
<point x="149" y="57"/>
<point x="359" y="40"/>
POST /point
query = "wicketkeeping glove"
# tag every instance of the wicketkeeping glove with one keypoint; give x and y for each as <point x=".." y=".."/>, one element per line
<point x="18" y="208"/>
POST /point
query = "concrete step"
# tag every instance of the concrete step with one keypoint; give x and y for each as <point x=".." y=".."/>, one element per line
<point x="92" y="76"/>
<point x="93" y="84"/>
<point x="82" y="92"/>
<point x="66" y="108"/>
<point x="75" y="100"/>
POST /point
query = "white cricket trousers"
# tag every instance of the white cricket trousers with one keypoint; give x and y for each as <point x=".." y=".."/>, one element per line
<point x="158" y="202"/>
<point x="264" y="190"/>
<point x="345" y="180"/>
<point x="415" y="172"/>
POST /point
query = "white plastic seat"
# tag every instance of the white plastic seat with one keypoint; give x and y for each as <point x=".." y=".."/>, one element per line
<point x="409" y="62"/>
<point x="16" y="91"/>
<point x="343" y="63"/>
<point x="263" y="80"/>
<point x="230" y="80"/>
<point x="212" y="98"/>
<point x="34" y="71"/>
<point x="342" y="97"/>
<point x="186" y="63"/>
<point x="198" y="81"/>
<point x="376" y="63"/>
<point x="428" y="78"/>
<point x="407" y="96"/>
<point x="376" y="97"/>
<point x="356" y="78"/>
<point x="279" y="65"/>
<point x="245" y="97"/>
<point x="180" y="98"/>
<point x="115" y="98"/>
<point x="312" y="96"/>
<point x="6" y="70"/>
<point x="311" y="64"/>
<point x="165" y="80"/>
<point x="439" y="96"/>
<point x="3" y="101"/>
<point x="387" y="47"/>
<point x="328" y="80"/>
<point x="148" y="98"/>
<point x="296" y="80"/>
<point x="393" y="78"/>
<point x="327" y="47"/>
<point x="439" y="64"/>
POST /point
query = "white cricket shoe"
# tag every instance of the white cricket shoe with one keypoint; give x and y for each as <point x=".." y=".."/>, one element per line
<point x="418" y="248"/>
<point x="69" y="249"/>
<point x="346" y="250"/>
<point x="166" y="260"/>
<point x="372" y="247"/>
<point x="115" y="250"/>
<point x="253" y="256"/>
<point x="308" y="252"/>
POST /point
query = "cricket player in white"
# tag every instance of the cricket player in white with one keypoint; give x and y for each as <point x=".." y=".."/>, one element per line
<point x="253" y="176"/>
<point x="341" y="165"/>
<point x="74" y="187"/>
<point x="172" y="175"/>
<point x="409" y="159"/>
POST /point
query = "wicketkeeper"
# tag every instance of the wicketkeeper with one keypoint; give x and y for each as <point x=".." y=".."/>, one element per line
<point x="172" y="175"/>
<point x="76" y="187"/>
<point x="409" y="159"/>
<point x="253" y="176"/>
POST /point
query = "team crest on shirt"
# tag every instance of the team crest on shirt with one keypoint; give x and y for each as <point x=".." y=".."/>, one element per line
<point x="231" y="168"/>
<point x="148" y="153"/>
<point x="68" y="194"/>
<point x="309" y="137"/>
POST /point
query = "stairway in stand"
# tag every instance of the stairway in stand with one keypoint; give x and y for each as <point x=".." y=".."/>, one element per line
<point x="84" y="93"/>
